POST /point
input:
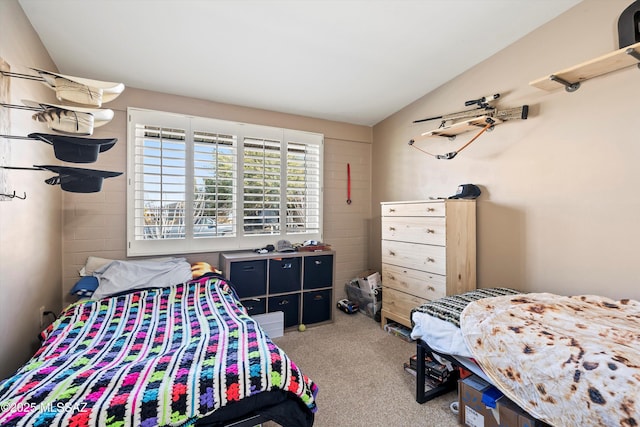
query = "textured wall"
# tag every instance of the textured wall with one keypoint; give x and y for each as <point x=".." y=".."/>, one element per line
<point x="558" y="211"/>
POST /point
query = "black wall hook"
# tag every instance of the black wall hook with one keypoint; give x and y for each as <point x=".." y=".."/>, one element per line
<point x="14" y="196"/>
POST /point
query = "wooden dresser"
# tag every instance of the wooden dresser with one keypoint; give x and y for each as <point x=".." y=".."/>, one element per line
<point x="428" y="252"/>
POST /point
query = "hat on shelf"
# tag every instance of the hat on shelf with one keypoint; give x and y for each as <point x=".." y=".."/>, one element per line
<point x="284" y="246"/>
<point x="75" y="149"/>
<point x="467" y="191"/>
<point x="80" y="90"/>
<point x="77" y="180"/>
<point x="67" y="119"/>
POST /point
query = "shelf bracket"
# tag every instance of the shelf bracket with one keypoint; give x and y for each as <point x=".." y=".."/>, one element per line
<point x="569" y="87"/>
<point x="632" y="52"/>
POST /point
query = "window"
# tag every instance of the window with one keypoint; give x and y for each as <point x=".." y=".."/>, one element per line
<point x="205" y="185"/>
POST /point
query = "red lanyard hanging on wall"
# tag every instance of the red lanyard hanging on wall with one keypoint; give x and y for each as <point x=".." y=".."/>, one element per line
<point x="348" y="184"/>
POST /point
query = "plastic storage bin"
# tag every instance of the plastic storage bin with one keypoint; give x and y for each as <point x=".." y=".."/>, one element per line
<point x="369" y="301"/>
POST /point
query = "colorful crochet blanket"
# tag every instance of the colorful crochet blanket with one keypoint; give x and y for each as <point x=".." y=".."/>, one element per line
<point x="158" y="357"/>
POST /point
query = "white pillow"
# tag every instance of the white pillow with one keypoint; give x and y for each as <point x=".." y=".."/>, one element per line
<point x="120" y="276"/>
<point x="93" y="263"/>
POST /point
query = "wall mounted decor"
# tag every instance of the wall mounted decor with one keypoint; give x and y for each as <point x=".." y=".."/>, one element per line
<point x="570" y="78"/>
<point x="78" y="90"/>
<point x="71" y="148"/>
<point x="66" y="119"/>
<point x="5" y="128"/>
<point x="483" y="118"/>
<point x="73" y="180"/>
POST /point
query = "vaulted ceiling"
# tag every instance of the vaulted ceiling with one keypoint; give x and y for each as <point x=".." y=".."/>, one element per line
<point x="354" y="61"/>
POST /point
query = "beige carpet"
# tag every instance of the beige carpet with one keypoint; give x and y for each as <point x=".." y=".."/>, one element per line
<point x="359" y="370"/>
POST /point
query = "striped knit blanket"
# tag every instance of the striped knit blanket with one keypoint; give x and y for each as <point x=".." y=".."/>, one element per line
<point x="159" y="357"/>
<point x="449" y="308"/>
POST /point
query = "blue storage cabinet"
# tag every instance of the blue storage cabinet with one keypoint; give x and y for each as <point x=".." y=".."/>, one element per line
<point x="300" y="284"/>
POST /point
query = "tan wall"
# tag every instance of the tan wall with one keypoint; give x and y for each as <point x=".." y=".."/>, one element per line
<point x="559" y="210"/>
<point x="30" y="237"/>
<point x="46" y="239"/>
<point x="94" y="224"/>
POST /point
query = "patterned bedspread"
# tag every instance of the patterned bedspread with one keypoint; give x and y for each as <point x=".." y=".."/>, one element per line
<point x="449" y="308"/>
<point x="569" y="361"/>
<point x="159" y="357"/>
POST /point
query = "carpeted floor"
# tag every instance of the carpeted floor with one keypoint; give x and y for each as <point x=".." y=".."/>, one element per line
<point x="359" y="370"/>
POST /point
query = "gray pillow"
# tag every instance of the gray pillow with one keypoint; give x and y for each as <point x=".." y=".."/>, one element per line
<point x="120" y="276"/>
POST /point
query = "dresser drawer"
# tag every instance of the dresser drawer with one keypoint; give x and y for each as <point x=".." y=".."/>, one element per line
<point x="400" y="304"/>
<point x="415" y="282"/>
<point x="414" y="209"/>
<point x="427" y="230"/>
<point x="420" y="257"/>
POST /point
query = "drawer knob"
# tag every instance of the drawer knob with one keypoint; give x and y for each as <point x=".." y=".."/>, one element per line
<point x="430" y="209"/>
<point x="392" y="210"/>
<point x="429" y="259"/>
<point x="392" y="253"/>
<point x="283" y="302"/>
<point x="392" y="229"/>
<point x="392" y="277"/>
<point x="431" y="288"/>
<point x="430" y="231"/>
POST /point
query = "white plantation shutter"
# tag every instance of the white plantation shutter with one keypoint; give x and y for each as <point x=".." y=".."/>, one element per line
<point x="203" y="185"/>
<point x="262" y="186"/>
<point x="214" y="171"/>
<point x="159" y="199"/>
<point x="303" y="188"/>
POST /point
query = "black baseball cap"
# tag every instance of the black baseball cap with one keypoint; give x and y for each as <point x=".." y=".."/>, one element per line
<point x="467" y="191"/>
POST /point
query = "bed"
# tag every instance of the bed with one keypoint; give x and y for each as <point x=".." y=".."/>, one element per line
<point x="566" y="360"/>
<point x="177" y="355"/>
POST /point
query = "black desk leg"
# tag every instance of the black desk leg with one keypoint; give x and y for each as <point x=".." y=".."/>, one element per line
<point x="424" y="396"/>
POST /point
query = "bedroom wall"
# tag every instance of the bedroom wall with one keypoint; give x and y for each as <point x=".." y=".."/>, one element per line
<point x="30" y="229"/>
<point x="559" y="210"/>
<point x="46" y="239"/>
<point x="94" y="224"/>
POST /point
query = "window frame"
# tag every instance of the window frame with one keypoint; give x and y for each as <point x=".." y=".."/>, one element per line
<point x="192" y="124"/>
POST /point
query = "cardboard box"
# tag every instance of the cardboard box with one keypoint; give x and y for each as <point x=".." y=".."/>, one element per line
<point x="398" y="330"/>
<point x="508" y="412"/>
<point x="472" y="411"/>
<point x="433" y="370"/>
<point x="482" y="405"/>
<point x="369" y="280"/>
<point x="526" y="420"/>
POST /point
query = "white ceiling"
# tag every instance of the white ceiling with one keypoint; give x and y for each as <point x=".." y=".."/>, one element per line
<point x="354" y="61"/>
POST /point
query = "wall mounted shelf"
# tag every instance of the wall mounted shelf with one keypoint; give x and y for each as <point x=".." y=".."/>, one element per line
<point x="451" y="131"/>
<point x="571" y="78"/>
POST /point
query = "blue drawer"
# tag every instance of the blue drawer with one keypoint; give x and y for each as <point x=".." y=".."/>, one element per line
<point x="284" y="275"/>
<point x="316" y="306"/>
<point x="249" y="278"/>
<point x="255" y="305"/>
<point x="289" y="304"/>
<point x="318" y="271"/>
